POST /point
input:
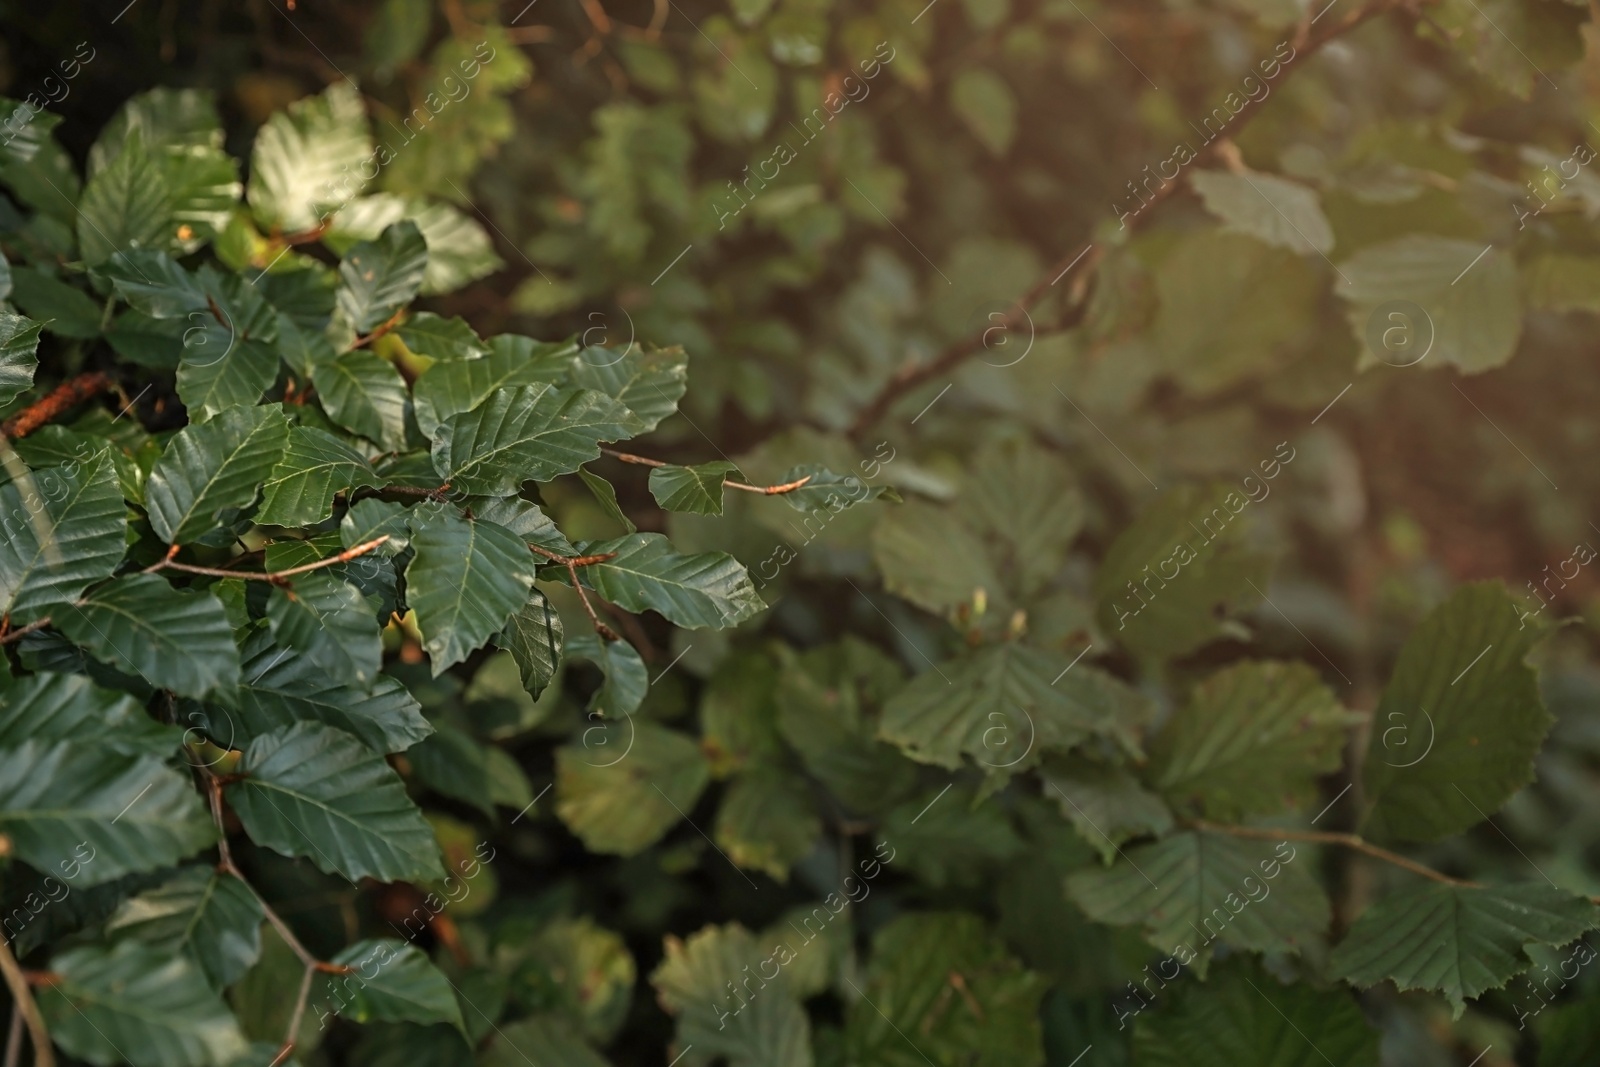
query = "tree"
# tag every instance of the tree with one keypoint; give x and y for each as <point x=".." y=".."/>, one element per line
<point x="363" y="702"/>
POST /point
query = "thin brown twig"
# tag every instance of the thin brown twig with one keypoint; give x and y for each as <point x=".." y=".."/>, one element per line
<point x="69" y="394"/>
<point x="22" y="631"/>
<point x="43" y="1052"/>
<point x="769" y="490"/>
<point x="382" y="328"/>
<point x="275" y="577"/>
<point x="1079" y="264"/>
<point x="14" y="1038"/>
<point x="1333" y="837"/>
<point x="572" y="563"/>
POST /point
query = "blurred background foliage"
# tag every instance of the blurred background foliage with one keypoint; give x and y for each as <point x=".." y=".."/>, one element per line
<point x="605" y="151"/>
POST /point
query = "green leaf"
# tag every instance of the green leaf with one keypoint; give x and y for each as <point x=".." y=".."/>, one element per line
<point x="1229" y="307"/>
<point x="1243" y="1015"/>
<point x="125" y="206"/>
<point x="1164" y="579"/>
<point x="693" y="983"/>
<point x="903" y="1000"/>
<point x="766" y="821"/>
<point x="279" y="688"/>
<point x="541" y="1039"/>
<point x="64" y="707"/>
<point x="182" y="132"/>
<point x="828" y="489"/>
<point x="534" y="638"/>
<point x="442" y="339"/>
<point x="330" y="621"/>
<point x="206" y="916"/>
<point x="447" y="389"/>
<point x="623" y="797"/>
<point x="138" y="1006"/>
<point x="308" y="158"/>
<point x="526" y="433"/>
<point x="133" y="812"/>
<point x="65" y="530"/>
<point x="1472" y="308"/>
<point x="1457" y="940"/>
<point x="1194" y="888"/>
<point x="62" y="309"/>
<point x="1460" y="722"/>
<point x="1003" y="705"/>
<point x="1251" y="741"/>
<point x="364" y="394"/>
<point x="929" y="555"/>
<point x="313" y="791"/>
<point x="211" y="466"/>
<point x="605" y="494"/>
<point x="175" y="639"/>
<point x="459" y="249"/>
<point x="450" y="762"/>
<point x="696" y="490"/>
<point x="19" y="340"/>
<point x="527" y="521"/>
<point x="380" y="277"/>
<point x="392" y="982"/>
<point x="314" y="467"/>
<point x="396" y="35"/>
<point x="210" y="381"/>
<point x="826" y="701"/>
<point x="1106" y="805"/>
<point x="464" y="582"/>
<point x="648" y="381"/>
<point x="1273" y="210"/>
<point x="626" y="679"/>
<point x="983" y="100"/>
<point x="593" y="972"/>
<point x="703" y="589"/>
<point x="369" y="519"/>
<point x="948" y="840"/>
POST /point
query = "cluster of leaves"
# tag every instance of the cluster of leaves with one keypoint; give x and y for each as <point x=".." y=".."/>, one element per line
<point x="310" y="591"/>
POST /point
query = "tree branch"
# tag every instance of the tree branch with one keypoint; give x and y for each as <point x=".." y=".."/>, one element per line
<point x="69" y="394"/>
<point x="572" y="563"/>
<point x="44" y="1054"/>
<point x="382" y="328"/>
<point x="1079" y="265"/>
<point x="769" y="490"/>
<point x="276" y="577"/>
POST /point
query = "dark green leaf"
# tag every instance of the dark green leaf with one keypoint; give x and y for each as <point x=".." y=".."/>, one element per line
<point x="211" y="466"/>
<point x="464" y="582"/>
<point x="131" y="813"/>
<point x="315" y="466"/>
<point x="380" y="277"/>
<point x="65" y="528"/>
<point x="526" y="433"/>
<point x="697" y="489"/>
<point x="206" y="916"/>
<point x="174" y="639"/>
<point x="703" y="589"/>
<point x="313" y="791"/>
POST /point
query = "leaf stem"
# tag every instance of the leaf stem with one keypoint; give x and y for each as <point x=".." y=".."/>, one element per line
<point x="265" y="576"/>
<point x="1333" y="837"/>
<point x="382" y="328"/>
<point x="769" y="490"/>
<point x="43" y="1052"/>
<point x="22" y="631"/>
